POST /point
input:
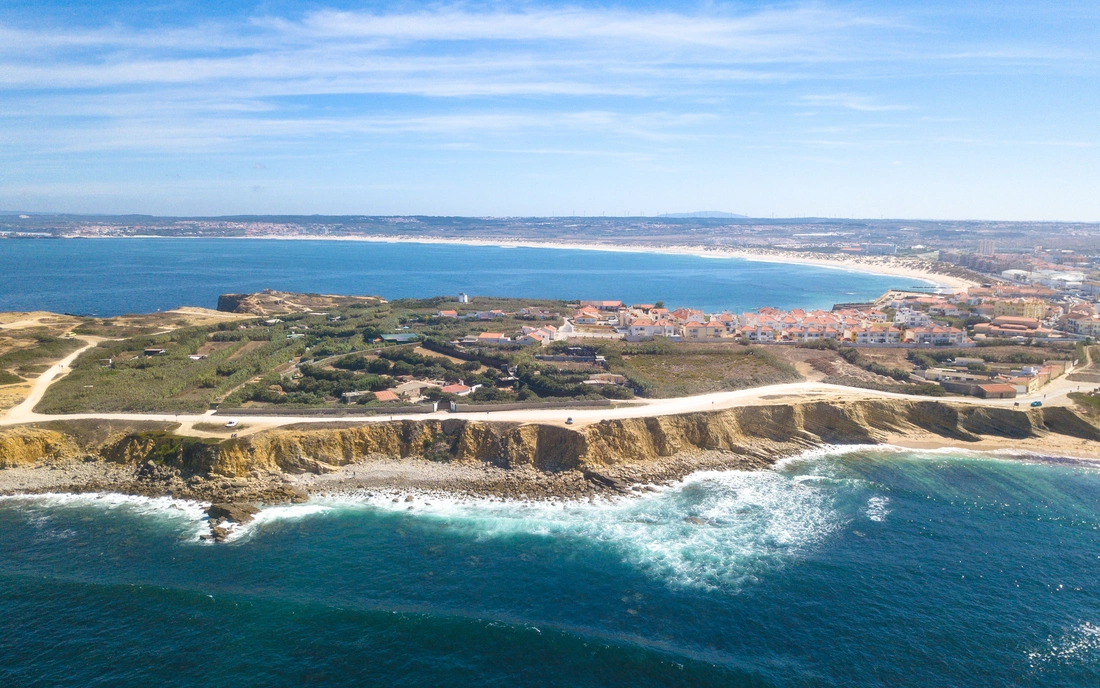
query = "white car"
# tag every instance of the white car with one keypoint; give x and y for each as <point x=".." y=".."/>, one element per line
<point x="231" y="424"/>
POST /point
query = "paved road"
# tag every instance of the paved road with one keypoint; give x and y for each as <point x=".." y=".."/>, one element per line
<point x="1052" y="394"/>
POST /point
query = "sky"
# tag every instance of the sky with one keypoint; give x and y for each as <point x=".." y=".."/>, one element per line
<point x="953" y="110"/>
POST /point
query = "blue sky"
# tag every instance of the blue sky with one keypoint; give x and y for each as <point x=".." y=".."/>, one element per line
<point x="887" y="109"/>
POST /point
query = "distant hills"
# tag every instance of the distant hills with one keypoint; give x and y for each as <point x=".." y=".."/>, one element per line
<point x="713" y="214"/>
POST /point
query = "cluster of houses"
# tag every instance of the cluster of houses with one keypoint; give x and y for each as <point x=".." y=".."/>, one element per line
<point x="959" y="377"/>
<point x="866" y="327"/>
<point x="915" y="319"/>
<point x="899" y="318"/>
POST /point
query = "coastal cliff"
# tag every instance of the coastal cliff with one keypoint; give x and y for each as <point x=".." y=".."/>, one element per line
<point x="747" y="437"/>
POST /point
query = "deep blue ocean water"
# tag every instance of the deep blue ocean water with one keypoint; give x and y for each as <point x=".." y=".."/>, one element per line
<point x="868" y="567"/>
<point x="112" y="276"/>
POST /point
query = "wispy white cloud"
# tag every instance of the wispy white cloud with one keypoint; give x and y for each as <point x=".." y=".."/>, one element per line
<point x="851" y="102"/>
<point x="625" y="86"/>
<point x="487" y="46"/>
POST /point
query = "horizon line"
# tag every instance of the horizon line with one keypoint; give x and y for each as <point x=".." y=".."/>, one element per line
<point x="25" y="214"/>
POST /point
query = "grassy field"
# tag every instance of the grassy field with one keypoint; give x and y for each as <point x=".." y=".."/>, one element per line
<point x="673" y="370"/>
<point x="7" y="378"/>
<point x="28" y="352"/>
<point x="118" y="376"/>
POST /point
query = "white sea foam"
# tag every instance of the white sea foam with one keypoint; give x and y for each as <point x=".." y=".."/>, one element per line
<point x="713" y="529"/>
<point x="1079" y="645"/>
<point x="876" y="509"/>
<point x="272" y="514"/>
<point x="38" y="509"/>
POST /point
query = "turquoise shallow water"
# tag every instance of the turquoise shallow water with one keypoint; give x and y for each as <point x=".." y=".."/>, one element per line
<point x="112" y="276"/>
<point x="866" y="567"/>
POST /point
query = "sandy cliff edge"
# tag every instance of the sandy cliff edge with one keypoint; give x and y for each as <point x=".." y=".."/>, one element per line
<point x="506" y="459"/>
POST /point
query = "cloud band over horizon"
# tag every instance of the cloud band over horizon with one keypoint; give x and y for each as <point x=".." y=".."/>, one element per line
<point x="953" y="111"/>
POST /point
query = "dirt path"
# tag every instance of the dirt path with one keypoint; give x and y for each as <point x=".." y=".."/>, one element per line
<point x="24" y="412"/>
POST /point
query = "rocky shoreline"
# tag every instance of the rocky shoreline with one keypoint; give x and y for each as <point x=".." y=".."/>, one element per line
<point x="235" y="501"/>
<point x="376" y="474"/>
<point x="498" y="460"/>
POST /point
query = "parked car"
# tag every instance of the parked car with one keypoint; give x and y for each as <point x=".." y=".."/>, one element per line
<point x="569" y="421"/>
<point x="231" y="424"/>
<point x="1036" y="404"/>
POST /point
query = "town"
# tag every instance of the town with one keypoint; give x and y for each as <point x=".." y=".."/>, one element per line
<point x="1004" y="311"/>
<point x="997" y="318"/>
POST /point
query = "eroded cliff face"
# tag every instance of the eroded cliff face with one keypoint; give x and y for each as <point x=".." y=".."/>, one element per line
<point x="767" y="432"/>
<point x="23" y="446"/>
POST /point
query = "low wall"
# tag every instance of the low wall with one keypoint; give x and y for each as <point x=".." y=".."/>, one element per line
<point x="475" y="408"/>
<point x="350" y="410"/>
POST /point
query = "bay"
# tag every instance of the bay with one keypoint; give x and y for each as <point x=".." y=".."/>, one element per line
<point x="113" y="276"/>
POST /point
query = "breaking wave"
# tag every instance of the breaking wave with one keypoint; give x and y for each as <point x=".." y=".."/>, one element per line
<point x="714" y="529"/>
<point x="39" y="510"/>
<point x="711" y="530"/>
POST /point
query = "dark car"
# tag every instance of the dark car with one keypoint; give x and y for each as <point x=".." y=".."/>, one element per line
<point x="1036" y="404"/>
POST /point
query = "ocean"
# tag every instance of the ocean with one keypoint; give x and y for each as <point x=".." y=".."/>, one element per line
<point x="113" y="276"/>
<point x="854" y="567"/>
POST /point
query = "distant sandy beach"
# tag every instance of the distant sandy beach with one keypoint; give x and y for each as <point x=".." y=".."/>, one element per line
<point x="875" y="265"/>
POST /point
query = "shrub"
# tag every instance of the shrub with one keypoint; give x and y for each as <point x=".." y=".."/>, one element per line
<point x="615" y="392"/>
<point x="7" y="378"/>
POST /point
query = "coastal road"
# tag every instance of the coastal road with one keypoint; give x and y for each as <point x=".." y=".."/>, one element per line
<point x="1054" y="394"/>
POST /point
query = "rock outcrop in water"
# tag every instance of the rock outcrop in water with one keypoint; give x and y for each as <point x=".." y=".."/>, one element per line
<point x="751" y="436"/>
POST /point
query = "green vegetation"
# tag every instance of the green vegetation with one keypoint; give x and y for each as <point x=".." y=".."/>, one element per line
<point x="1081" y="353"/>
<point x="7" y="378"/>
<point x="40" y="349"/>
<point x="1089" y="403"/>
<point x="860" y="360"/>
<point x="310" y="387"/>
<point x="1016" y="355"/>
<point x="94" y="432"/>
<point x="218" y="427"/>
<point x="312" y="359"/>
<point x="167" y="447"/>
<point x="118" y="376"/>
<point x="854" y="357"/>
<point x="297" y="359"/>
